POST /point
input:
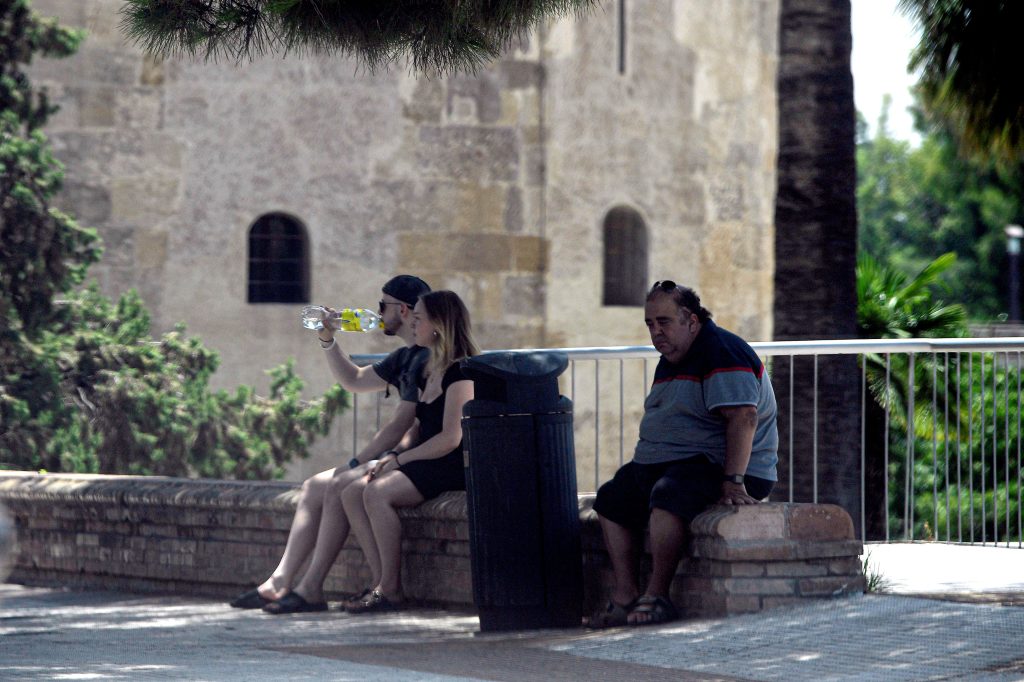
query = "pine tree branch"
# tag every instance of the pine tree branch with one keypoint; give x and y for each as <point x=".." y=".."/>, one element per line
<point x="437" y="36"/>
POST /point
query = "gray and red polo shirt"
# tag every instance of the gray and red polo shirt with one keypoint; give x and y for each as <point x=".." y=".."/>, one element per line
<point x="680" y="414"/>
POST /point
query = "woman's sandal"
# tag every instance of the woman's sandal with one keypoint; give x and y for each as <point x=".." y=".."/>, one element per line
<point x="655" y="610"/>
<point x="612" y="615"/>
<point x="353" y="600"/>
<point x="375" y="602"/>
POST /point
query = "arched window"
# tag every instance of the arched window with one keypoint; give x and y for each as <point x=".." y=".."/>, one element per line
<point x="278" y="260"/>
<point x="625" y="257"/>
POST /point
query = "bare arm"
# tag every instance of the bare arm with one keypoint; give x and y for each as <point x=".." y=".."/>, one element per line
<point x="392" y="434"/>
<point x="740" y="425"/>
<point x="350" y="375"/>
<point x="458" y="394"/>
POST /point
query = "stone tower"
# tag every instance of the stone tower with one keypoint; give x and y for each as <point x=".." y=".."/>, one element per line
<point x="602" y="153"/>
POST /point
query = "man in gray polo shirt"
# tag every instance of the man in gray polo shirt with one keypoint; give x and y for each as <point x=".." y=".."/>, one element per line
<point x="708" y="436"/>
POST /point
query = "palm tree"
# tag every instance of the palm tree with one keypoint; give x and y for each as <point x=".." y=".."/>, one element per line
<point x="815" y="250"/>
<point x="891" y="305"/>
<point x="966" y="57"/>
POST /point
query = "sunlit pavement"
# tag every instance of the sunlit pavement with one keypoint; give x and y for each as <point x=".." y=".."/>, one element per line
<point x="55" y="634"/>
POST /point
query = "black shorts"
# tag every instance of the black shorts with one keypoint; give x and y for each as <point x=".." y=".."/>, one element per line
<point x="683" y="487"/>
<point x="434" y="476"/>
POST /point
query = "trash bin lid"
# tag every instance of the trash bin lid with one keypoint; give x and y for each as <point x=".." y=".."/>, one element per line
<point x="517" y="367"/>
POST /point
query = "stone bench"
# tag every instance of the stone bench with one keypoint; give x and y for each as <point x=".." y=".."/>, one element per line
<point x="214" y="538"/>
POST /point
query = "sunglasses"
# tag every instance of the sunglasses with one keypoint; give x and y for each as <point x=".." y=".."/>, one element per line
<point x="666" y="285"/>
<point x="689" y="302"/>
<point x="382" y="305"/>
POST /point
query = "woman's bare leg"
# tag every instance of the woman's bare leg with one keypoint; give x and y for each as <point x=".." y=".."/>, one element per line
<point x="381" y="499"/>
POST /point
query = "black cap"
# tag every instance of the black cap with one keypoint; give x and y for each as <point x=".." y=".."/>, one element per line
<point x="406" y="288"/>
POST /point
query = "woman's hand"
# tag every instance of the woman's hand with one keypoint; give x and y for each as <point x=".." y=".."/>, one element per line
<point x="388" y="462"/>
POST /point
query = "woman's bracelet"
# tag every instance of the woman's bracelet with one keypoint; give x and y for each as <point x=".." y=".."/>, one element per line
<point x="325" y="345"/>
<point x="396" y="453"/>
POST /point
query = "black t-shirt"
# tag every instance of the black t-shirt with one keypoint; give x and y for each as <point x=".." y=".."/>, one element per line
<point x="402" y="368"/>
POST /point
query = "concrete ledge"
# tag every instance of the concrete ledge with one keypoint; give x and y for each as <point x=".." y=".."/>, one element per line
<point x="216" y="537"/>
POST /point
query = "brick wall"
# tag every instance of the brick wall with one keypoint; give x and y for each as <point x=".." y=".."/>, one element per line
<point x="216" y="537"/>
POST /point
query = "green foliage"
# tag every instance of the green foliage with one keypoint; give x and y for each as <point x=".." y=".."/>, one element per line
<point x="438" y="36"/>
<point x="84" y="386"/>
<point x="966" y="54"/>
<point x="914" y="204"/>
<point x="956" y="418"/>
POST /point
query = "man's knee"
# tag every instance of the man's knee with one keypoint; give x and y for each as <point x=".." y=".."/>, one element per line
<point x="352" y="494"/>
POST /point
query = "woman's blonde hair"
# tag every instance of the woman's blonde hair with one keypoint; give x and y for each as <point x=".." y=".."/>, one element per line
<point x="450" y="318"/>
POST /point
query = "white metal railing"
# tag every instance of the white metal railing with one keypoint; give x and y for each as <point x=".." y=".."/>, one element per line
<point x="966" y="442"/>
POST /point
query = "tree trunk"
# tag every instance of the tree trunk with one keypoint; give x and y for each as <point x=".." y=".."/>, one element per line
<point x="816" y="253"/>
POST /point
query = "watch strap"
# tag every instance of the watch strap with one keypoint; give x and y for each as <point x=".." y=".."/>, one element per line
<point x="733" y="478"/>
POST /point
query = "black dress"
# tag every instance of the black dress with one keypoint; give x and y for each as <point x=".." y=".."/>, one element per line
<point x="434" y="476"/>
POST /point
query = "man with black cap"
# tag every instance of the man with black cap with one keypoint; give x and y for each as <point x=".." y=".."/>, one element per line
<point x="320" y="526"/>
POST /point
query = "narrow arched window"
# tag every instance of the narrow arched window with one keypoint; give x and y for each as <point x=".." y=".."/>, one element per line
<point x="278" y="260"/>
<point x="625" y="257"/>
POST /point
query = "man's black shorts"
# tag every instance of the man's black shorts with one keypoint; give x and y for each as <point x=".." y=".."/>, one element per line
<point x="683" y="487"/>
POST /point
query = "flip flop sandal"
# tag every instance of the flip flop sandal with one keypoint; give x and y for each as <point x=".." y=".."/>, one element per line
<point x="376" y="602"/>
<point x="249" y="600"/>
<point x="293" y="603"/>
<point x="611" y="616"/>
<point x="657" y="610"/>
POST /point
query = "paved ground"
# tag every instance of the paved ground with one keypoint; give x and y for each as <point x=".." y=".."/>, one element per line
<point x="54" y="634"/>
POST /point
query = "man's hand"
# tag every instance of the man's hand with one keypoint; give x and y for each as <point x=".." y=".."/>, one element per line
<point x="735" y="493"/>
<point x="385" y="464"/>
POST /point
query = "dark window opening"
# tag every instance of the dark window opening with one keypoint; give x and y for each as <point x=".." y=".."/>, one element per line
<point x="625" y="257"/>
<point x="278" y="260"/>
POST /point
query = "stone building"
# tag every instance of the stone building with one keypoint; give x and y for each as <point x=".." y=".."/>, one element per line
<point x="602" y="153"/>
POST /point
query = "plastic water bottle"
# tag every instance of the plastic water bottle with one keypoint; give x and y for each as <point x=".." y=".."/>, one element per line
<point x="345" y="320"/>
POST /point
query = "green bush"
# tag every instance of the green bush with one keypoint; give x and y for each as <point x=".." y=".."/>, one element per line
<point x="83" y="385"/>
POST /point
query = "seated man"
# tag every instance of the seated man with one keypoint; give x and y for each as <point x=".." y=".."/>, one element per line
<point x="320" y="526"/>
<point x="708" y="435"/>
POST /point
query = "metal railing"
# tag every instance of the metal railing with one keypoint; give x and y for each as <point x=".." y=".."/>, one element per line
<point x="950" y="408"/>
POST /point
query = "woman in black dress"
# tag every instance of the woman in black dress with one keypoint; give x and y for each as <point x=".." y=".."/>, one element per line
<point x="404" y="478"/>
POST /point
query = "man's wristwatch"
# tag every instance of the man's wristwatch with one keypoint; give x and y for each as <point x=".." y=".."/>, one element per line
<point x="733" y="478"/>
<point x="353" y="463"/>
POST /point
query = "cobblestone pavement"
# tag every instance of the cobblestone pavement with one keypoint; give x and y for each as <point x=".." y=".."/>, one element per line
<point x="55" y="634"/>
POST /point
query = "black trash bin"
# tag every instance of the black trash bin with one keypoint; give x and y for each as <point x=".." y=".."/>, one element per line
<point x="524" y="522"/>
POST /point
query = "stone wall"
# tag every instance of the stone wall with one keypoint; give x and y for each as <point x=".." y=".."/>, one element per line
<point x="215" y="538"/>
<point x="495" y="185"/>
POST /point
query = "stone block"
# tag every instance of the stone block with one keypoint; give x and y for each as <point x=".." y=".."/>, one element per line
<point x="150" y="248"/>
<point x="144" y="200"/>
<point x="468" y="152"/>
<point x="96" y="107"/>
<point x="762" y="586"/>
<point x="529" y="254"/>
<point x="477" y="253"/>
<point x="832" y="586"/>
<point x="524" y="295"/>
<point x="421" y="252"/>
<point x="795" y="569"/>
<point x="741" y="523"/>
<point x="820" y="522"/>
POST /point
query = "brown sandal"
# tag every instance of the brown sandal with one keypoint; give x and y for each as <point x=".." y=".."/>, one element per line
<point x="376" y="602"/>
<point x="656" y="610"/>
